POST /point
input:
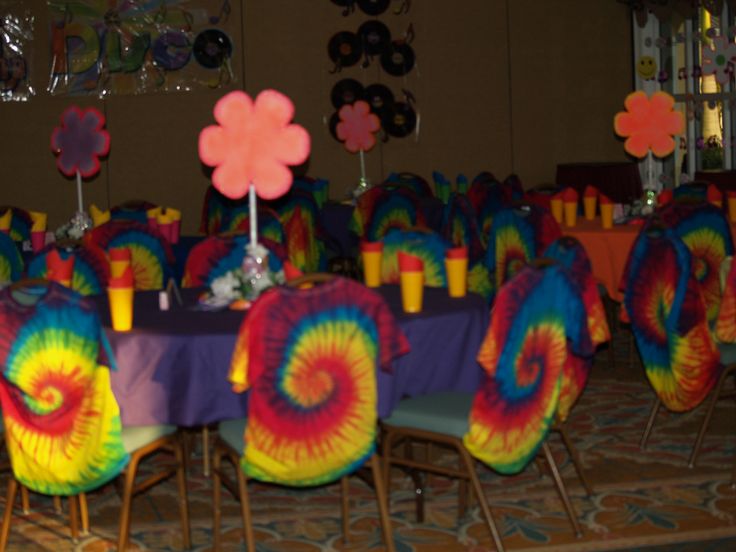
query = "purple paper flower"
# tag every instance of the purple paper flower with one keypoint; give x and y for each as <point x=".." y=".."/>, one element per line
<point x="80" y="141"/>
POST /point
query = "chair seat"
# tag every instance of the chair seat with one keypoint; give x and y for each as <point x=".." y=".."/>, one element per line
<point x="135" y="437"/>
<point x="728" y="353"/>
<point x="439" y="412"/>
<point x="232" y="431"/>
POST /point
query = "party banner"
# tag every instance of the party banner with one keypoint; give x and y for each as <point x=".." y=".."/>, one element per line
<point x="104" y="47"/>
<point x="16" y="37"/>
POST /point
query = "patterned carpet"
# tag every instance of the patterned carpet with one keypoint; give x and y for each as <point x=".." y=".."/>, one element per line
<point x="643" y="501"/>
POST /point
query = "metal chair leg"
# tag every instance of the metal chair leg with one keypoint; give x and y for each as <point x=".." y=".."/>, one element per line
<point x="345" y="508"/>
<point x="574" y="456"/>
<point x="650" y="424"/>
<point x="8" y="516"/>
<point x="485" y="508"/>
<point x="709" y="414"/>
<point x="382" y="500"/>
<point x="560" y="484"/>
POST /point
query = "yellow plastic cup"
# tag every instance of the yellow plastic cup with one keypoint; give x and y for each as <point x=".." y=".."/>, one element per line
<point x="372" y="268"/>
<point x="457" y="277"/>
<point x="732" y="208"/>
<point x="412" y="290"/>
<point x="118" y="267"/>
<point x="555" y="205"/>
<point x="571" y="213"/>
<point x="121" y="308"/>
<point x="607" y="215"/>
<point x="589" y="203"/>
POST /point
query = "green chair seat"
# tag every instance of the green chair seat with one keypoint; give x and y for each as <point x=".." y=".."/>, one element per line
<point x="231" y="431"/>
<point x="728" y="353"/>
<point x="135" y="437"/>
<point x="445" y="412"/>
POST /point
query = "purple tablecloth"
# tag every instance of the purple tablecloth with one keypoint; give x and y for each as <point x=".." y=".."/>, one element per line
<point x="172" y="367"/>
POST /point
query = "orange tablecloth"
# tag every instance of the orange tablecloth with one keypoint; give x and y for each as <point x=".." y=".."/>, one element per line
<point x="608" y="250"/>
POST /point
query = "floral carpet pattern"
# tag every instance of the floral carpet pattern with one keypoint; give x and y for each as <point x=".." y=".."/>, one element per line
<point x="642" y="500"/>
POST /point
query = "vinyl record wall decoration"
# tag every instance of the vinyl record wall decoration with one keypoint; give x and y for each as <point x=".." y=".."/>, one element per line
<point x="369" y="7"/>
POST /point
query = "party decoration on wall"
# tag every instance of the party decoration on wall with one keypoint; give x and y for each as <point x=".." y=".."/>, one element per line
<point x="719" y="60"/>
<point x="397" y="59"/>
<point x="78" y="144"/>
<point x="356" y="128"/>
<point x="371" y="7"/>
<point x="102" y="48"/>
<point x="251" y="148"/>
<point x="344" y="49"/>
<point x="646" y="67"/>
<point x="649" y="125"/>
<point x="346" y="91"/>
<point x="375" y="38"/>
<point x="16" y="36"/>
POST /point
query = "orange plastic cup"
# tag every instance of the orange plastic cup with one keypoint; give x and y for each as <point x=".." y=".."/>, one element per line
<point x="589" y="203"/>
<point x="571" y="213"/>
<point x="412" y="290"/>
<point x="607" y="215"/>
<point x="457" y="276"/>
<point x="121" y="308"/>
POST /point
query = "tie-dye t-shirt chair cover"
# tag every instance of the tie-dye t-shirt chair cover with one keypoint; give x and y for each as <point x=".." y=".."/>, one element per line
<point x="11" y="261"/>
<point x="380" y="209"/>
<point x="523" y="354"/>
<point x="517" y="236"/>
<point x="216" y="255"/>
<point x="135" y="211"/>
<point x="488" y="197"/>
<point x="300" y="217"/>
<point x="318" y="188"/>
<point x="663" y="302"/>
<point x="571" y="254"/>
<point x="62" y="423"/>
<point x="309" y="359"/>
<point x="20" y="223"/>
<point x="429" y="246"/>
<point x="151" y="255"/>
<point x="725" y="325"/>
<point x="222" y="215"/>
<point x="707" y="234"/>
<point x="91" y="266"/>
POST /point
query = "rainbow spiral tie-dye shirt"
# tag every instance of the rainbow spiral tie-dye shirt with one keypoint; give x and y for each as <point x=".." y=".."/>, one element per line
<point x="62" y="422"/>
<point x="308" y="358"/>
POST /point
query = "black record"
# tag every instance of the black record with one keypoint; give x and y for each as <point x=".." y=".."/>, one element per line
<point x="346" y="91"/>
<point x="211" y="48"/>
<point x="345" y="49"/>
<point x="373" y="7"/>
<point x="400" y="120"/>
<point x="349" y="5"/>
<point x="379" y="97"/>
<point x="334" y="120"/>
<point x="374" y="36"/>
<point x="397" y="59"/>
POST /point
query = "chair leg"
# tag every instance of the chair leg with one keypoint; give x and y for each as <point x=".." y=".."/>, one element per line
<point x="206" y="451"/>
<point x="388" y="536"/>
<point x="74" y="517"/>
<point x="485" y="508"/>
<point x="345" y="508"/>
<point x="8" y="516"/>
<point x="650" y="424"/>
<point x="84" y="513"/>
<point x="560" y="484"/>
<point x="245" y="512"/>
<point x="708" y="415"/>
<point x="181" y="481"/>
<point x="127" y="498"/>
<point x="25" y="502"/>
<point x="216" y="497"/>
<point x="575" y="457"/>
<point x="57" y="504"/>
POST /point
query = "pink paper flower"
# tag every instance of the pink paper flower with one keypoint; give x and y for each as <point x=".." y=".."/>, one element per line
<point x="253" y="144"/>
<point x="719" y="60"/>
<point x="357" y="125"/>
<point x="649" y="123"/>
<point x="80" y="141"/>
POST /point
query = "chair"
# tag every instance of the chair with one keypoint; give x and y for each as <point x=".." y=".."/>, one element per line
<point x="425" y="244"/>
<point x="414" y="182"/>
<point x="299" y="214"/>
<point x="505" y="423"/>
<point x="664" y="304"/>
<point x="488" y="197"/>
<point x="62" y="423"/>
<point x="152" y="258"/>
<point x="222" y="215"/>
<point x="135" y="210"/>
<point x="517" y="235"/>
<point x="11" y="261"/>
<point x="308" y="358"/>
<point x="382" y="208"/>
<point x="20" y="223"/>
<point x="91" y="266"/>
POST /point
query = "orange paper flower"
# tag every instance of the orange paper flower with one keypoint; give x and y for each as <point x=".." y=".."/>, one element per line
<point x="649" y="123"/>
<point x="357" y="125"/>
<point x="253" y="144"/>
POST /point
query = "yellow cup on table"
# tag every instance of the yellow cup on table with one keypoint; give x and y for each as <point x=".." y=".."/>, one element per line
<point x="411" y="280"/>
<point x="120" y="259"/>
<point x="571" y="212"/>
<point x="372" y="255"/>
<point x="606" y="215"/>
<point x="589" y="204"/>
<point x="120" y="292"/>
<point x="456" y="266"/>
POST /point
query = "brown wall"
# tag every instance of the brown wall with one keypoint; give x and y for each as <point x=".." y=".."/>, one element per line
<point x="501" y="85"/>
